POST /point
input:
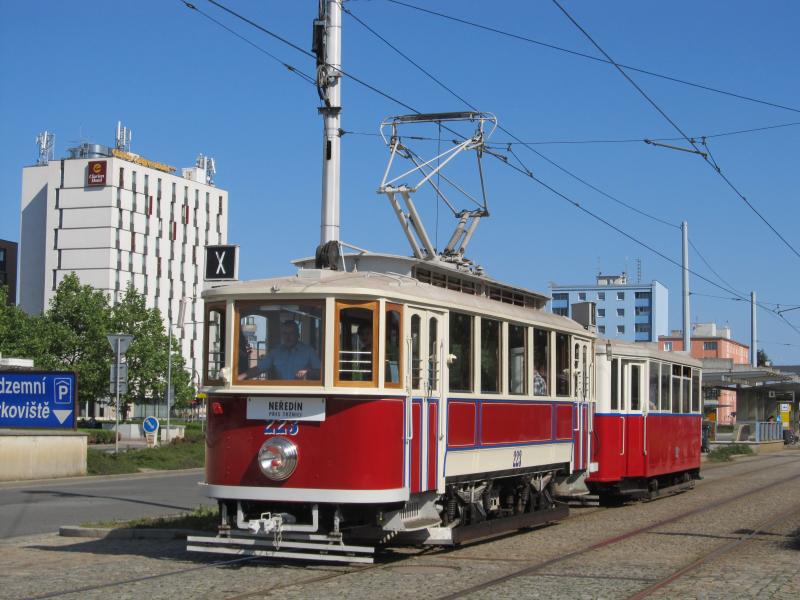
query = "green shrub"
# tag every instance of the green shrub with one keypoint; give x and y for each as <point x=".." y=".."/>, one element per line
<point x="180" y="454"/>
<point x="724" y="453"/>
<point x="99" y="436"/>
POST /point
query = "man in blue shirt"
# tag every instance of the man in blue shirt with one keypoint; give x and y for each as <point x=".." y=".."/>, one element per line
<point x="291" y="360"/>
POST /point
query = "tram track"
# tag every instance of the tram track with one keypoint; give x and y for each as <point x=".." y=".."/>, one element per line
<point x="715" y="553"/>
<point x="387" y="560"/>
<point x="539" y="566"/>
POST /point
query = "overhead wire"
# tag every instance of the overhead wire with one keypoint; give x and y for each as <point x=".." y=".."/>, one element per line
<point x="644" y="94"/>
<point x="590" y="57"/>
<point x="523" y="170"/>
<point x="502" y="128"/>
<point x="290" y="68"/>
<point x="526" y="171"/>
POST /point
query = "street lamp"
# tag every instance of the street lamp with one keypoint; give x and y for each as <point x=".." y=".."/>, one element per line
<point x="181" y="314"/>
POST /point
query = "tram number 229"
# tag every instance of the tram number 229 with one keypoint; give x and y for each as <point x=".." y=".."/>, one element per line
<point x="281" y="428"/>
<point x="517" y="460"/>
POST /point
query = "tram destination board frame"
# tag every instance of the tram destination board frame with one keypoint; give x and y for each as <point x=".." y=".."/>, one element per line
<point x="38" y="399"/>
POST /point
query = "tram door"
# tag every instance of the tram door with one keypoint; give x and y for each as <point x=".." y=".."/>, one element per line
<point x="582" y="385"/>
<point x="424" y="398"/>
<point x="633" y="434"/>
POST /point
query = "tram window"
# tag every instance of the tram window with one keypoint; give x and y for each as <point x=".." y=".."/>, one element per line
<point x="433" y="354"/>
<point x="461" y="347"/>
<point x="490" y="356"/>
<point x="636" y="403"/>
<point x="279" y="342"/>
<point x="686" y="383"/>
<point x="393" y="335"/>
<point x="614" y="384"/>
<point x="416" y="360"/>
<point x="676" y="389"/>
<point x="562" y="364"/>
<point x="665" y="406"/>
<point x="695" y="390"/>
<point x="214" y="342"/>
<point x="517" y="360"/>
<point x="652" y="389"/>
<point x="541" y="362"/>
<point x="354" y="350"/>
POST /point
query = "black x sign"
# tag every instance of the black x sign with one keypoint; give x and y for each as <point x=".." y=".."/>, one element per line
<point x="221" y="262"/>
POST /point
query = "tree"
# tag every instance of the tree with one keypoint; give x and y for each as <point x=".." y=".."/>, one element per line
<point x="75" y="328"/>
<point x="147" y="355"/>
<point x="762" y="360"/>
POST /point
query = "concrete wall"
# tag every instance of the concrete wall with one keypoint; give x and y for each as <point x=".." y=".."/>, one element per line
<point x="41" y="454"/>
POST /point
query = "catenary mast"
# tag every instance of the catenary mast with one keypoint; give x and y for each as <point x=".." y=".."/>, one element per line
<point x="327" y="45"/>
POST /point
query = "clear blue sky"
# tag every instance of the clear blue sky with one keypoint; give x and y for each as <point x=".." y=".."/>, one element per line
<point x="184" y="85"/>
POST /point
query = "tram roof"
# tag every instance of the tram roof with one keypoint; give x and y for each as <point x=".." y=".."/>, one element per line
<point x="323" y="282"/>
<point x="622" y="349"/>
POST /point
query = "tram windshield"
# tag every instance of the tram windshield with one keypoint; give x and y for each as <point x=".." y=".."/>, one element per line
<point x="279" y="342"/>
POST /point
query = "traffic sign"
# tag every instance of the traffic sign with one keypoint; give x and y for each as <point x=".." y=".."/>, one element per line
<point x="123" y="373"/>
<point x="124" y="340"/>
<point x="38" y="399"/>
<point x="222" y="262"/>
<point x="150" y="425"/>
<point x="123" y="387"/>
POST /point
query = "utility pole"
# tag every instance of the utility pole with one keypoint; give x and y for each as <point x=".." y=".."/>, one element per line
<point x="753" y="349"/>
<point x="328" y="48"/>
<point x="687" y="340"/>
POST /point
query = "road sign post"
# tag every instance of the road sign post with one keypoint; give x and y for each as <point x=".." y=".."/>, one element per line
<point x="150" y="426"/>
<point x="119" y="343"/>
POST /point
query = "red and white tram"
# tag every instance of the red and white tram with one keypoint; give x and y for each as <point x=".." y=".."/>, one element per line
<point x="455" y="417"/>
<point x="647" y="427"/>
<point x="371" y="399"/>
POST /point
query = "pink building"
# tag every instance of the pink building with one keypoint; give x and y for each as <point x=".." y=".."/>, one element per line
<point x="710" y="341"/>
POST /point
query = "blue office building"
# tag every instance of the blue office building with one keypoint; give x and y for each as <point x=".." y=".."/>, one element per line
<point x="625" y="311"/>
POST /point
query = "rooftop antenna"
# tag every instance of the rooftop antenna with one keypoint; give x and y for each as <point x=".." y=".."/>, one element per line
<point x="124" y="136"/>
<point x="46" y="143"/>
<point x="638" y="270"/>
<point x="425" y="170"/>
<point x="207" y="164"/>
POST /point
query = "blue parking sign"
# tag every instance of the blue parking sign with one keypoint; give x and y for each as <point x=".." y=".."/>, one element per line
<point x="40" y="400"/>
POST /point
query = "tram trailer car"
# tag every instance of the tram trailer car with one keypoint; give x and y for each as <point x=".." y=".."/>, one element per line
<point x="435" y="429"/>
<point x="647" y="428"/>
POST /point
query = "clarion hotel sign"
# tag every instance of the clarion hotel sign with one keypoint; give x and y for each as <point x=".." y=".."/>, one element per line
<point x="96" y="173"/>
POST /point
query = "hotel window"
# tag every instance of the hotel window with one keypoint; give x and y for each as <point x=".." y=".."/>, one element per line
<point x="601" y="295"/>
<point x="621" y="329"/>
<point x="620" y="312"/>
<point x="601" y="329"/>
<point x="133" y="185"/>
<point x="581" y="295"/>
<point x="643" y="295"/>
<point x="121" y="177"/>
<point x="601" y="312"/>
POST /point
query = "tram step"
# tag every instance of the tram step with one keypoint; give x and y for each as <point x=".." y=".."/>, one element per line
<point x="470" y="533"/>
<point x="268" y="548"/>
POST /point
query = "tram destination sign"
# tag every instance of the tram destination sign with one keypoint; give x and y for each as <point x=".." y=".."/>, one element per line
<point x="285" y="409"/>
<point x="38" y="400"/>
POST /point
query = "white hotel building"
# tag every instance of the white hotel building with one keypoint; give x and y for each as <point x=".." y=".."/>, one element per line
<point x="113" y="217"/>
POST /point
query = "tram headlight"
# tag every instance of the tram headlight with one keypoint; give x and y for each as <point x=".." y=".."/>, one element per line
<point x="277" y="458"/>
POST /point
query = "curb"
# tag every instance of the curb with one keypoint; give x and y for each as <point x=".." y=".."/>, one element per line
<point x="127" y="534"/>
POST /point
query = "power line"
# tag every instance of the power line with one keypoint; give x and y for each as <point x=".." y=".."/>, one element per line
<point x="523" y="170"/>
<point x="289" y="67"/>
<point x="639" y="140"/>
<point x="713" y="165"/>
<point x="502" y="128"/>
<point x="590" y="57"/>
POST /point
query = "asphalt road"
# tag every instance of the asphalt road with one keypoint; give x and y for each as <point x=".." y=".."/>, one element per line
<point x="45" y="505"/>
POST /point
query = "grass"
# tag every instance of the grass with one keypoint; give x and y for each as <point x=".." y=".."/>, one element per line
<point x="724" y="453"/>
<point x="203" y="518"/>
<point x="188" y="453"/>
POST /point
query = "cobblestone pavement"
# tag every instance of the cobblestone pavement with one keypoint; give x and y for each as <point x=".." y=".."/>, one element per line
<point x="766" y="565"/>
